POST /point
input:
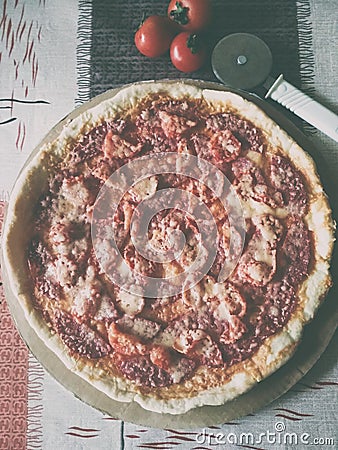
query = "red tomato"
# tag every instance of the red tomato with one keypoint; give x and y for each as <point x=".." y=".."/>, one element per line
<point x="191" y="15"/>
<point x="187" y="52"/>
<point x="154" y="36"/>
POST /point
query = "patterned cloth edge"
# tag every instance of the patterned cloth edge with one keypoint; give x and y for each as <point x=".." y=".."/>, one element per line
<point x="13" y="376"/>
<point x="306" y="55"/>
<point x="83" y="59"/>
<point x="35" y="406"/>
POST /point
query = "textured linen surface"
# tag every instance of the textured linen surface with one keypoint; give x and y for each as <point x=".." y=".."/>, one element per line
<point x="53" y="57"/>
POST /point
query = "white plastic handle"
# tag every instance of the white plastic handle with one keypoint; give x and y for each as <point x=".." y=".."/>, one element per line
<point x="304" y="106"/>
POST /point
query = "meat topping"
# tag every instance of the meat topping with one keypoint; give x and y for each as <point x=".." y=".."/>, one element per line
<point x="214" y="323"/>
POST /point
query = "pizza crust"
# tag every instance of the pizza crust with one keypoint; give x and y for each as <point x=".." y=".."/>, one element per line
<point x="206" y="386"/>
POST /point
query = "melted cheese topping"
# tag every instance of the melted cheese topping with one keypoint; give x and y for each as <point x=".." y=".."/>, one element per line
<point x="210" y="324"/>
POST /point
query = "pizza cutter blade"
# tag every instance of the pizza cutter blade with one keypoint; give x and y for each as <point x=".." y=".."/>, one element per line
<point x="244" y="61"/>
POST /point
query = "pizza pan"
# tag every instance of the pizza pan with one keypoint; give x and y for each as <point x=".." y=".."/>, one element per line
<point x="315" y="339"/>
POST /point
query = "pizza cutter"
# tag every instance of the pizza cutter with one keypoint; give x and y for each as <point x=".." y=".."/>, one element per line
<point x="244" y="61"/>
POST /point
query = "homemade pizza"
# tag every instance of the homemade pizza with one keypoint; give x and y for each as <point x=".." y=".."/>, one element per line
<point x="212" y="295"/>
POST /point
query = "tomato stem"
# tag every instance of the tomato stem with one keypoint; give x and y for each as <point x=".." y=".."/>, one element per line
<point x="194" y="43"/>
<point x="180" y="14"/>
<point x="143" y="18"/>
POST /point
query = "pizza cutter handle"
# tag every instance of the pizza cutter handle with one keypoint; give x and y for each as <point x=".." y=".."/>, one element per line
<point x="304" y="106"/>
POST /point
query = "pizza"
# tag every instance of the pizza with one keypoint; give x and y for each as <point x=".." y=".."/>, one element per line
<point x="209" y="293"/>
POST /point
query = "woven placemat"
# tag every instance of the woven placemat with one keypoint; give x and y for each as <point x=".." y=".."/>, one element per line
<point x="115" y="59"/>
